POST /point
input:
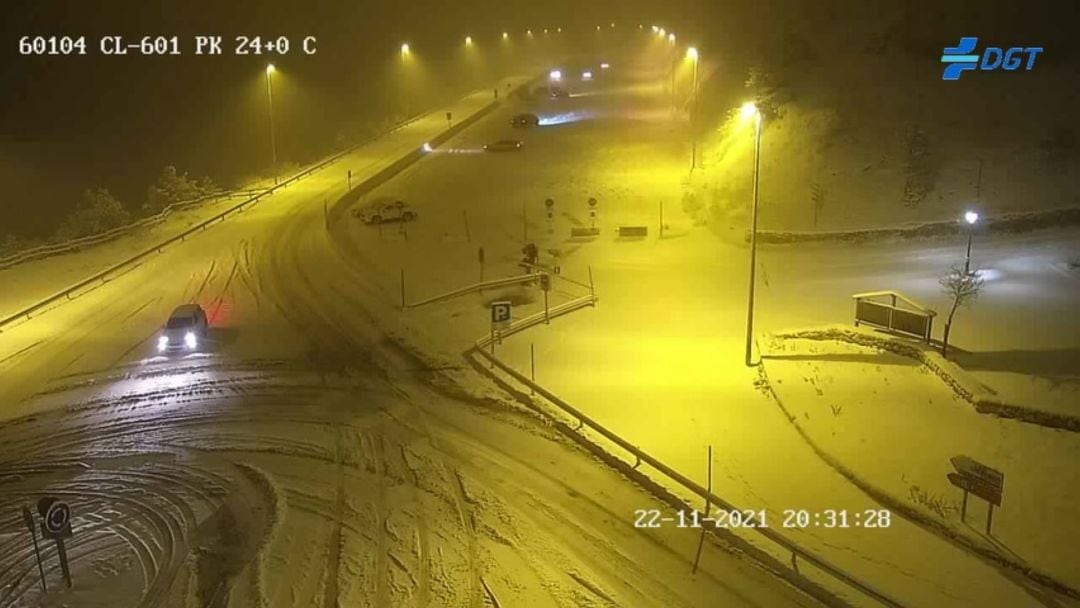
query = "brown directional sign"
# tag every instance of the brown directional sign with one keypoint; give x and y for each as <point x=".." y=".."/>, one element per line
<point x="985" y="482"/>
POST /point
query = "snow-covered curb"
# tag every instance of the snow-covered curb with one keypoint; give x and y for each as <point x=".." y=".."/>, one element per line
<point x="962" y="386"/>
<point x="1006" y="223"/>
<point x="954" y="376"/>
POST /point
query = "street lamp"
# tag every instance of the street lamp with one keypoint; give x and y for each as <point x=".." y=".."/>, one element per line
<point x="748" y="111"/>
<point x="692" y="55"/>
<point x="270" y="106"/>
<point x="970" y="217"/>
<point x="468" y="40"/>
<point x="404" y="50"/>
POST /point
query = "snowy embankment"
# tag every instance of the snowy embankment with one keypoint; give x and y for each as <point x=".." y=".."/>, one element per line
<point x="1009" y="223"/>
<point x="985" y="399"/>
<point x="889" y="417"/>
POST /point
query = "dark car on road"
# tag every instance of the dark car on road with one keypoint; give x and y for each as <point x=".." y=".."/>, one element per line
<point x="185" y="330"/>
<point x="503" y="145"/>
<point x="525" y="120"/>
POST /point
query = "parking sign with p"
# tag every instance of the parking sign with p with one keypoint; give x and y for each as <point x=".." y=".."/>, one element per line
<point x="500" y="314"/>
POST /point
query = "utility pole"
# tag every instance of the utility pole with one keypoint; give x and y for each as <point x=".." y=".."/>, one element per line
<point x="753" y="241"/>
<point x="270" y="106"/>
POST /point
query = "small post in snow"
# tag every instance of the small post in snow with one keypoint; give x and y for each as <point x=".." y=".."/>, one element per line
<point x="326" y="214"/>
<point x="465" y="214"/>
<point x="661" y="218"/>
<point x="592" y="289"/>
<point x="524" y="225"/>
<point x="545" y="285"/>
<point x="480" y="257"/>
<point x="29" y="520"/>
<point x="402" y="289"/>
<point x="708" y="507"/>
<point x="532" y="366"/>
<point x="349" y="179"/>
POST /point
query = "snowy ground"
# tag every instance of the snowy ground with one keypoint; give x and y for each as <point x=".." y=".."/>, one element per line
<point x="848" y="397"/>
<point x="660" y="359"/>
<point x="304" y="459"/>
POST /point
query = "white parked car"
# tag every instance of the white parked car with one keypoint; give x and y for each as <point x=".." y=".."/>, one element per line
<point x="383" y="211"/>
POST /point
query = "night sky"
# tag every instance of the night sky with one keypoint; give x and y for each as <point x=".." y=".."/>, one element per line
<point x="70" y="123"/>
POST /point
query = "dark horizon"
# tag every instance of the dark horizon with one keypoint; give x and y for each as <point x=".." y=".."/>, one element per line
<point x="79" y="122"/>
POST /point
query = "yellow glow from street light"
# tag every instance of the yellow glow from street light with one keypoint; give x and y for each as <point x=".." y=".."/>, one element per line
<point x="612" y="24"/>
<point x="655" y="29"/>
<point x="598" y="28"/>
<point x="671" y="38"/>
<point x="558" y="29"/>
<point x="692" y="54"/>
<point x="468" y="40"/>
<point x="971" y="217"/>
<point x="270" y="68"/>
<point x="528" y="32"/>
<point x="662" y="32"/>
<point x="748" y="110"/>
<point x="404" y="48"/>
<point x="505" y="35"/>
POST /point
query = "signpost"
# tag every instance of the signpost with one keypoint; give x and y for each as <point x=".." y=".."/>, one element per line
<point x="350" y="179"/>
<point x="979" y="479"/>
<point x="500" y="318"/>
<point x="57" y="526"/>
<point x="480" y="257"/>
<point x="592" y="211"/>
<point x="549" y="208"/>
<point x="545" y="285"/>
<point x="28" y="519"/>
<point x="449" y="120"/>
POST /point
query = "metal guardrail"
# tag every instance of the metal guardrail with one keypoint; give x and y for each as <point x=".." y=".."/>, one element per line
<point x="43" y="251"/>
<point x="641" y="456"/>
<point x="494" y="283"/>
<point x="102" y="276"/>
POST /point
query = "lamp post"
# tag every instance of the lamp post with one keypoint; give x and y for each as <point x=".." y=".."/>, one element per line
<point x="404" y="54"/>
<point x="749" y="110"/>
<point x="692" y="55"/>
<point x="270" y="107"/>
<point x="970" y="217"/>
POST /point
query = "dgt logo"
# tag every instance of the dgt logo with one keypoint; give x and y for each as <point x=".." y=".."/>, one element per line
<point x="961" y="57"/>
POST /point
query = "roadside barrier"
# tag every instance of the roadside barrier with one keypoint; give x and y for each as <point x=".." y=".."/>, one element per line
<point x="481" y="347"/>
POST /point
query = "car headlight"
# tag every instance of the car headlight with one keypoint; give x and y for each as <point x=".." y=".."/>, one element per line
<point x="162" y="343"/>
<point x="191" y="340"/>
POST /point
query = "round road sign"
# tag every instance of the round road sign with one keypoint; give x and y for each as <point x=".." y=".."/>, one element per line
<point x="57" y="517"/>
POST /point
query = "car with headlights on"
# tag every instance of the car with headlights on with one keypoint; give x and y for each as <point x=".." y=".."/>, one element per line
<point x="185" y="330"/>
<point x="525" y="120"/>
<point x="503" y="145"/>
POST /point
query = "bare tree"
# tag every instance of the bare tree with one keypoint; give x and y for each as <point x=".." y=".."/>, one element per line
<point x="963" y="287"/>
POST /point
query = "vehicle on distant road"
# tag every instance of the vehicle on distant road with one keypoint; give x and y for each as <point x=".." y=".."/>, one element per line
<point x="525" y="120"/>
<point x="385" y="210"/>
<point x="503" y="145"/>
<point x="557" y="92"/>
<point x="186" y="329"/>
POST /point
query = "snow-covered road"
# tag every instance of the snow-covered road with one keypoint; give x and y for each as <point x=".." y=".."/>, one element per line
<point x="660" y="359"/>
<point x="306" y="459"/>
